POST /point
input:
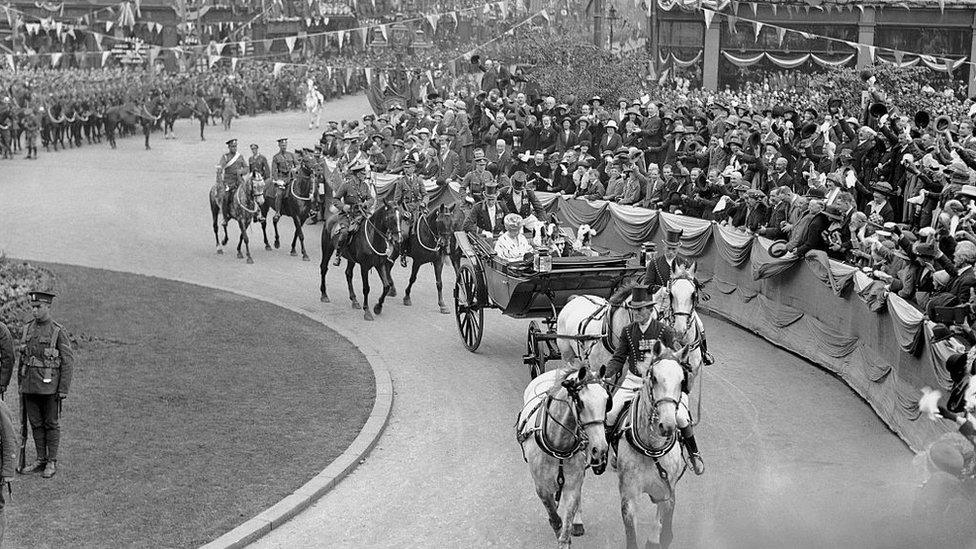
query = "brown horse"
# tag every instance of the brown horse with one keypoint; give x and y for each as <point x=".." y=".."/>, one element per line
<point x="296" y="204"/>
<point x="427" y="242"/>
<point x="244" y="206"/>
<point x="371" y="246"/>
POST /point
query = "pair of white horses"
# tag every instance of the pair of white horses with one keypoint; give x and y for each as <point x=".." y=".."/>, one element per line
<point x="562" y="426"/>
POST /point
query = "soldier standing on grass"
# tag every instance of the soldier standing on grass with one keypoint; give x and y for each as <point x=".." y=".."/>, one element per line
<point x="44" y="378"/>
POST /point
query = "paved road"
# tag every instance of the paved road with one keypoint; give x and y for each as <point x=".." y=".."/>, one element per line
<point x="794" y="458"/>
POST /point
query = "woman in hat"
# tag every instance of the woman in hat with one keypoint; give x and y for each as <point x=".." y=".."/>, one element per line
<point x="512" y="244"/>
<point x="879" y="210"/>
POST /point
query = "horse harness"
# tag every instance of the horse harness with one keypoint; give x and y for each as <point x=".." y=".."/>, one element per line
<point x="604" y="314"/>
<point x="580" y="440"/>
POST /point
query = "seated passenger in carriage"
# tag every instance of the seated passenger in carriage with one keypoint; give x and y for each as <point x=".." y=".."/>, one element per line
<point x="486" y="217"/>
<point x="636" y="341"/>
<point x="512" y="244"/>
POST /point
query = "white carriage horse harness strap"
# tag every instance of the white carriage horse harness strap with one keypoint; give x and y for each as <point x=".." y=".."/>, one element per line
<point x="604" y="314"/>
<point x="692" y="324"/>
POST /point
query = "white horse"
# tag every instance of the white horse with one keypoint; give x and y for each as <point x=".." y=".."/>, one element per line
<point x="561" y="431"/>
<point x="313" y="104"/>
<point x="649" y="457"/>
<point x="601" y="319"/>
<point x="678" y="302"/>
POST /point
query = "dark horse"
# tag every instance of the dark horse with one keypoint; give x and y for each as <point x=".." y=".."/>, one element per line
<point x="428" y="240"/>
<point x="244" y="206"/>
<point x="119" y="119"/>
<point x="296" y="204"/>
<point x="149" y="115"/>
<point x="371" y="246"/>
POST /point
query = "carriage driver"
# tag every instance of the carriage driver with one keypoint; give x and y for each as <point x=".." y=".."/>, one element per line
<point x="354" y="199"/>
<point x="230" y="169"/>
<point x="284" y="164"/>
<point x="637" y="339"/>
<point x="410" y="197"/>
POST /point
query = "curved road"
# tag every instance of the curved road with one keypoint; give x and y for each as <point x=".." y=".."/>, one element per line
<point x="794" y="458"/>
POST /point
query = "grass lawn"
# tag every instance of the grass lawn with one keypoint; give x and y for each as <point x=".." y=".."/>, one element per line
<point x="190" y="411"/>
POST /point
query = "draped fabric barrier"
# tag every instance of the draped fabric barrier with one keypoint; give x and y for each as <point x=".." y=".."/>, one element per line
<point x="823" y="310"/>
<point x="794" y="62"/>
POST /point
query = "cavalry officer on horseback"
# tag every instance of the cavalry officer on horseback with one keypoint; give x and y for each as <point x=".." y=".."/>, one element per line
<point x="636" y="341"/>
<point x="658" y="274"/>
<point x="354" y="199"/>
<point x="284" y="164"/>
<point x="410" y="198"/>
<point x="230" y="169"/>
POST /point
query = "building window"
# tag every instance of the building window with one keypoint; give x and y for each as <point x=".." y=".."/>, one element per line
<point x="931" y="41"/>
<point x="744" y="39"/>
<point x="681" y="34"/>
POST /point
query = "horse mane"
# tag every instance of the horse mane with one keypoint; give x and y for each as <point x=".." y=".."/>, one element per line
<point x="623" y="292"/>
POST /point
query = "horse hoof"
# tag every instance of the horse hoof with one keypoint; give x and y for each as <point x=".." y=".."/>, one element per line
<point x="293" y="253"/>
<point x="240" y="255"/>
<point x="267" y="247"/>
<point x="325" y="299"/>
<point x="378" y="309"/>
<point x="250" y="261"/>
<point x="445" y="310"/>
<point x="356" y="305"/>
<point x="368" y="316"/>
<point x="277" y="244"/>
<point x="220" y="252"/>
<point x="578" y="530"/>
<point x="406" y="301"/>
<point x="393" y="292"/>
<point x="305" y="258"/>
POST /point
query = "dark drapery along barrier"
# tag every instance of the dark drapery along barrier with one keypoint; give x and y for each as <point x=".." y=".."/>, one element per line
<point x="825" y="311"/>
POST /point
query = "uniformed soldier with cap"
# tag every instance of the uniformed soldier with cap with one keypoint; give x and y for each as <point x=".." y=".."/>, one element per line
<point x="283" y="167"/>
<point x="230" y="169"/>
<point x="354" y="198"/>
<point x="44" y="376"/>
<point x="410" y="196"/>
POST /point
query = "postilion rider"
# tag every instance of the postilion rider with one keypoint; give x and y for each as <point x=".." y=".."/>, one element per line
<point x="410" y="197"/>
<point x="658" y="274"/>
<point x="284" y="164"/>
<point x="638" y="339"/>
<point x="230" y="170"/>
<point x="354" y="199"/>
<point x="44" y="377"/>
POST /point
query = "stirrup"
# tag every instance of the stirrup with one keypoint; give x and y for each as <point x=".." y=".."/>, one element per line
<point x="707" y="358"/>
<point x="696" y="463"/>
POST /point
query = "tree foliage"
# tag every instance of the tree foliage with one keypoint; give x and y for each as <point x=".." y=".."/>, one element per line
<point x="567" y="66"/>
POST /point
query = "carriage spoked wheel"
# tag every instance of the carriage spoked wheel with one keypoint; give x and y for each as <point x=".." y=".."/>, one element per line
<point x="468" y="312"/>
<point x="534" y="357"/>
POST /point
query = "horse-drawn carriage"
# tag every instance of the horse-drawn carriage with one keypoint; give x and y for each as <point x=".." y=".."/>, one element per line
<point x="518" y="290"/>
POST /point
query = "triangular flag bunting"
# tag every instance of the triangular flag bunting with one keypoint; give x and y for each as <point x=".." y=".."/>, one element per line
<point x="709" y="14"/>
<point x="308" y="22"/>
<point x="98" y="39"/>
<point x="363" y="33"/>
<point x="108" y="26"/>
<point x="55" y="59"/>
<point x="780" y="34"/>
<point x="10" y="61"/>
<point x="899" y="56"/>
<point x="233" y="63"/>
<point x="212" y="60"/>
<point x="942" y="8"/>
<point x="732" y="20"/>
<point x="348" y="75"/>
<point x="369" y="76"/>
<point x="759" y="27"/>
<point x="432" y="19"/>
<point x="949" y="65"/>
<point x="242" y="47"/>
<point x="340" y="35"/>
<point x="383" y="29"/>
<point x="105" y="55"/>
<point x="871" y="52"/>
<point x="290" y="42"/>
<point x="774" y="8"/>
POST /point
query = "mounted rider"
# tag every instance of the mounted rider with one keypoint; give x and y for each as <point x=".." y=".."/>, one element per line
<point x="284" y="164"/>
<point x="354" y="199"/>
<point x="658" y="274"/>
<point x="636" y="341"/>
<point x="230" y="170"/>
<point x="410" y="198"/>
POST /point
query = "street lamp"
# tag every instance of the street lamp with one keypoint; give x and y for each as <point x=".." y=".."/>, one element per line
<point x="611" y="17"/>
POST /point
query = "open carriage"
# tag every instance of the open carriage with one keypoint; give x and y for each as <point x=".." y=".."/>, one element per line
<point x="485" y="281"/>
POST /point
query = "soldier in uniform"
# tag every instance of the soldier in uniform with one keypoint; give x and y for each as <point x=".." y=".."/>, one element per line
<point x="230" y="168"/>
<point x="258" y="167"/>
<point x="284" y="164"/>
<point x="354" y="198"/>
<point x="410" y="196"/>
<point x="475" y="181"/>
<point x="32" y="128"/>
<point x="636" y="340"/>
<point x="44" y="378"/>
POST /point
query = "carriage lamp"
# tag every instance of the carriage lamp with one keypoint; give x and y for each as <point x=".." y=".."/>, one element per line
<point x="542" y="261"/>
<point x="647" y="250"/>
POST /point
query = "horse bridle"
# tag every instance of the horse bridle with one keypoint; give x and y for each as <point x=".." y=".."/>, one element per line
<point x="574" y="388"/>
<point x="388" y="248"/>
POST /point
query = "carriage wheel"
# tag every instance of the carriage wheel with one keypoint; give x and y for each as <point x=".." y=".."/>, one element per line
<point x="535" y="352"/>
<point x="469" y="314"/>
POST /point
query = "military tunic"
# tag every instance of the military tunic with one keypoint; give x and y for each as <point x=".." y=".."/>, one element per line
<point x="230" y="169"/>
<point x="283" y="164"/>
<point x="475" y="182"/>
<point x="410" y="193"/>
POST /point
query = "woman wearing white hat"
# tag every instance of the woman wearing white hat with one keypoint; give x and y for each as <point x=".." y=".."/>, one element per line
<point x="512" y="244"/>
